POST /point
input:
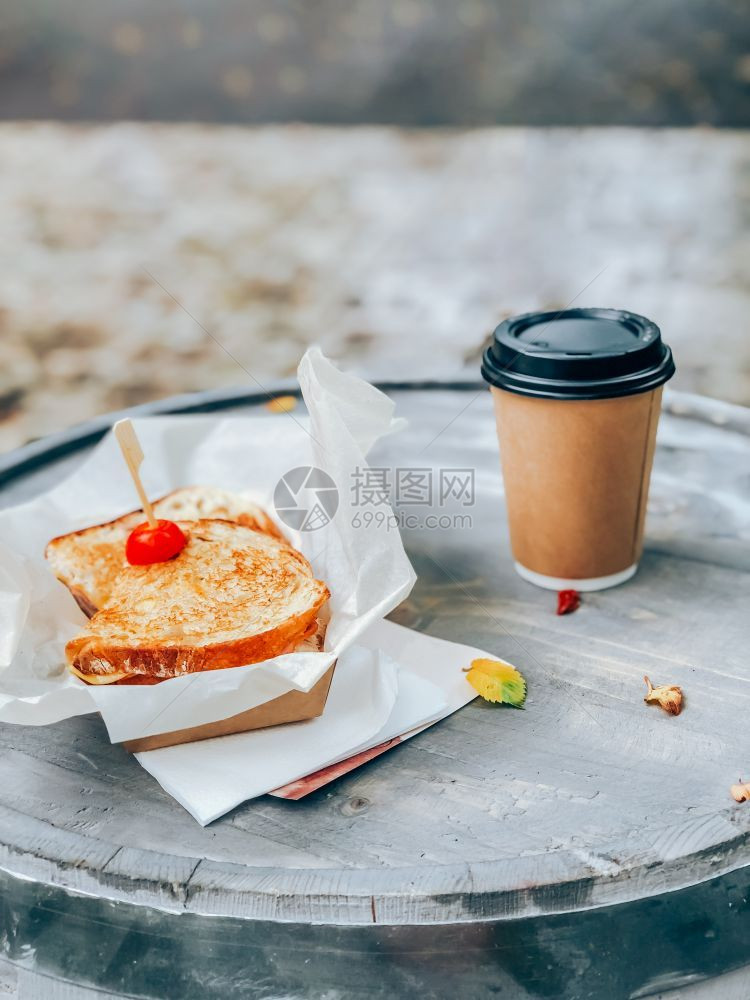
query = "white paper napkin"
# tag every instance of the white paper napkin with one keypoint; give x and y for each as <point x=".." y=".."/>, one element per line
<point x="409" y="679"/>
<point x="212" y="776"/>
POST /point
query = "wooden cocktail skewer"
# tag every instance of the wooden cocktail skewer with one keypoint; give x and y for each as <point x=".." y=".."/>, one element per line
<point x="133" y="455"/>
<point x="157" y="540"/>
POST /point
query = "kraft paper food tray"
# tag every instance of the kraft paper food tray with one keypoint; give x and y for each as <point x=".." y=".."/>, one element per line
<point x="294" y="706"/>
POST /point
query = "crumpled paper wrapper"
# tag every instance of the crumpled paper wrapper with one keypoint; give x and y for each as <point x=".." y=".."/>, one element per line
<point x="365" y="567"/>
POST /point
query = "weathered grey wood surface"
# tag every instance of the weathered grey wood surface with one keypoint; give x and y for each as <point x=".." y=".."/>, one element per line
<point x="584" y="847"/>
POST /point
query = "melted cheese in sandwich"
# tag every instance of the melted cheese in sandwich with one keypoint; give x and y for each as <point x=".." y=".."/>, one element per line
<point x="98" y="678"/>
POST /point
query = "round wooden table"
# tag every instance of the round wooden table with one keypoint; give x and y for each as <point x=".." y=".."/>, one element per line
<point x="585" y="847"/>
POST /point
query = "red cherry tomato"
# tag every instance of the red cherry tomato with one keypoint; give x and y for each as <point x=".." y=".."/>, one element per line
<point x="147" y="545"/>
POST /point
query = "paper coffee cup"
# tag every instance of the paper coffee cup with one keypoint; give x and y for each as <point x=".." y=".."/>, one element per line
<point x="577" y="398"/>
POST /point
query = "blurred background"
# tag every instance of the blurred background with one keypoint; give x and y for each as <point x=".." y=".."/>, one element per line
<point x="190" y="193"/>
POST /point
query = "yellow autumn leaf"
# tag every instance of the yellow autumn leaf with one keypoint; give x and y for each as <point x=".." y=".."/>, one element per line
<point x="497" y="681"/>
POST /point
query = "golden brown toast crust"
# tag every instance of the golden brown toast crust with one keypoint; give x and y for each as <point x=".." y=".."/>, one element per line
<point x="311" y="642"/>
<point x="162" y="662"/>
<point x="232" y="597"/>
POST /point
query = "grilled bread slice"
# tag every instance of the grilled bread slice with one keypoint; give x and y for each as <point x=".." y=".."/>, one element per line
<point x="311" y="642"/>
<point x="233" y="596"/>
<point x="194" y="502"/>
<point x="90" y="561"/>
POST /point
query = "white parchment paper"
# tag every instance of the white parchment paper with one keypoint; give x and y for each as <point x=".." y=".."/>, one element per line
<point x="393" y="682"/>
<point x="365" y="567"/>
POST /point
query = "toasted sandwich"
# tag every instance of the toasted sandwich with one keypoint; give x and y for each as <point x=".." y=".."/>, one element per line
<point x="233" y="596"/>
<point x="90" y="561"/>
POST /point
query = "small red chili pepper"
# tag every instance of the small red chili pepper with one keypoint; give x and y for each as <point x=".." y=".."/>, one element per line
<point x="568" y="601"/>
<point x="146" y="545"/>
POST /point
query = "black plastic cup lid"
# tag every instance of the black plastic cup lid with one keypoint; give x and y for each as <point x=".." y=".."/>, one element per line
<point x="577" y="354"/>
